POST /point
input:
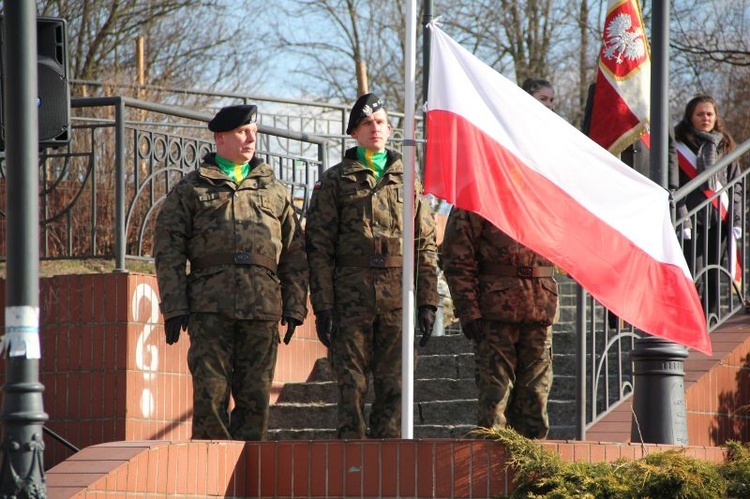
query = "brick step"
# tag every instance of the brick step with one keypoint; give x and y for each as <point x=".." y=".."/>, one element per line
<point x="424" y="390"/>
<point x="321" y="416"/>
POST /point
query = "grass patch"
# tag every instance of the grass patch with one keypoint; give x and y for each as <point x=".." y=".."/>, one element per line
<point x="50" y="268"/>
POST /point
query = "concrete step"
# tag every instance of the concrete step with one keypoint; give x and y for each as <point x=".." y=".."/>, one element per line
<point x="301" y="434"/>
<point x="424" y="390"/>
<point x="310" y="392"/>
<point x="318" y="416"/>
<point x="455" y="366"/>
<point x="322" y="416"/>
<point x="446" y="360"/>
<point x="446" y="412"/>
<point x="322" y="371"/>
<point x="443" y="431"/>
<point x="420" y="431"/>
<point x="444" y="396"/>
<point x="446" y="345"/>
<point x="444" y="389"/>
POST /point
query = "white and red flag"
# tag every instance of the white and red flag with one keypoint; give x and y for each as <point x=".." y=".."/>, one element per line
<point x="688" y="163"/>
<point x="621" y="105"/>
<point x="495" y="150"/>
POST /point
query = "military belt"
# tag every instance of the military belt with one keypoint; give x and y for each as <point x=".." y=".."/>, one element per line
<point x="516" y="271"/>
<point x="229" y="258"/>
<point x="374" y="261"/>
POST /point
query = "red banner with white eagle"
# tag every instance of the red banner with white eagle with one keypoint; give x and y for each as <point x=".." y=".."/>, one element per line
<point x="621" y="103"/>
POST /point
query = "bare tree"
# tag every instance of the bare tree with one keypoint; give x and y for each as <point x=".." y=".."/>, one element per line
<point x="508" y="35"/>
<point x="584" y="68"/>
<point x="715" y="30"/>
<point x="710" y="46"/>
<point x="188" y="42"/>
<point x="344" y="48"/>
<point x="333" y="50"/>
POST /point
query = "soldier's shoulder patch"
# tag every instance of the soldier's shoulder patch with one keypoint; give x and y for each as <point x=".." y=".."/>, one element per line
<point x="317" y="185"/>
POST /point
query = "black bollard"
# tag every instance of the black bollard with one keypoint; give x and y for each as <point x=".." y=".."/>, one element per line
<point x="660" y="414"/>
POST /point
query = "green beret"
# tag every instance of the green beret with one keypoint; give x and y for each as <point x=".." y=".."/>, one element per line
<point x="364" y="107"/>
<point x="230" y="117"/>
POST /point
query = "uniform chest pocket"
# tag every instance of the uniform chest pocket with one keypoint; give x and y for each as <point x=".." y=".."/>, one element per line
<point x="265" y="203"/>
<point x="388" y="209"/>
<point x="257" y="204"/>
<point x="352" y="192"/>
<point x="355" y="201"/>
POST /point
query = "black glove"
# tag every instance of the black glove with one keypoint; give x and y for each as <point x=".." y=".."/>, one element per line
<point x="173" y="326"/>
<point x="426" y="320"/>
<point x="291" y="324"/>
<point x="473" y="329"/>
<point x="324" y="326"/>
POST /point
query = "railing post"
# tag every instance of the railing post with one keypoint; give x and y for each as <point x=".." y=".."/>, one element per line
<point x="120" y="186"/>
<point x="581" y="363"/>
<point x="322" y="158"/>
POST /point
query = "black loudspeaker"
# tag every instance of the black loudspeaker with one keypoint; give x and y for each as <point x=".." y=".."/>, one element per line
<point x="53" y="86"/>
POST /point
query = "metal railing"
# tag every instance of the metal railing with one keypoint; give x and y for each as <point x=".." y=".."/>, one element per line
<point x="604" y="370"/>
<point x="322" y="119"/>
<point x="99" y="195"/>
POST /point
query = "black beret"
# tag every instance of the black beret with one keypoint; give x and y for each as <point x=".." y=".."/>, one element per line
<point x="230" y="117"/>
<point x="364" y="107"/>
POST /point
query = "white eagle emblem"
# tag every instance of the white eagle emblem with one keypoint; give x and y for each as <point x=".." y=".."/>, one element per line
<point x="367" y="110"/>
<point x="621" y="42"/>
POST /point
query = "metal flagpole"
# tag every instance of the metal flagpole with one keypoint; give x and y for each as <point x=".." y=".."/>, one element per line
<point x="407" y="342"/>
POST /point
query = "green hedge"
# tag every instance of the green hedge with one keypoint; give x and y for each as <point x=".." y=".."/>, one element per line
<point x="670" y="474"/>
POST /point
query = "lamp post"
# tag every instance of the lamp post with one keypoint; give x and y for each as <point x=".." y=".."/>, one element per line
<point x="22" y="414"/>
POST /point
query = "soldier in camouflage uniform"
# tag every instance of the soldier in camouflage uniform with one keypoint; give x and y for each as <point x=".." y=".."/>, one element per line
<point x="354" y="235"/>
<point x="506" y="299"/>
<point x="235" y="223"/>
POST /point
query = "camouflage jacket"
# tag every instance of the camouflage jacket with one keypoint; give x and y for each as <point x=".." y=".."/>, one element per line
<point x="207" y="219"/>
<point x="473" y="251"/>
<point x="354" y="224"/>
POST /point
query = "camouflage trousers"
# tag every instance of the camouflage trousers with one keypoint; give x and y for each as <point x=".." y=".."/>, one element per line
<point x="514" y="375"/>
<point x="362" y="345"/>
<point x="236" y="357"/>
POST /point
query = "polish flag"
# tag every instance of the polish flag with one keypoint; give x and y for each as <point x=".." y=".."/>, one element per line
<point x="621" y="106"/>
<point x="495" y="150"/>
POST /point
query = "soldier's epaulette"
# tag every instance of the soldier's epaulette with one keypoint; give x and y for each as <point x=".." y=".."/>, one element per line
<point x="189" y="177"/>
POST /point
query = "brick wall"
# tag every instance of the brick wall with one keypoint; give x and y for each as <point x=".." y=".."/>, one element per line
<point x="109" y="374"/>
<point x="331" y="469"/>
